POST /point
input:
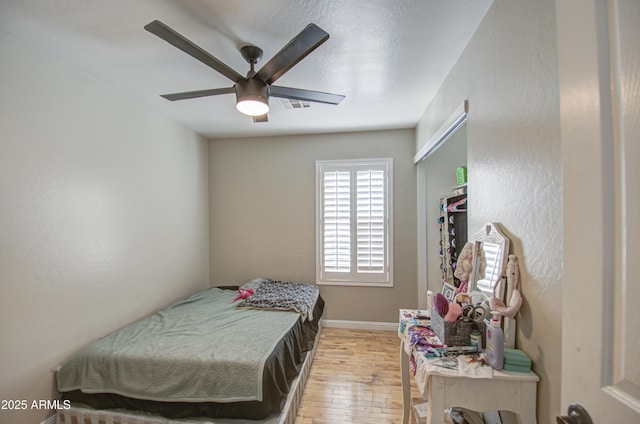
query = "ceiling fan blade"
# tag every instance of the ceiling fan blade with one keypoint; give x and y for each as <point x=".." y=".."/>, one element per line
<point x="172" y="37"/>
<point x="299" y="94"/>
<point x="261" y="118"/>
<point x="295" y="50"/>
<point x="200" y="93"/>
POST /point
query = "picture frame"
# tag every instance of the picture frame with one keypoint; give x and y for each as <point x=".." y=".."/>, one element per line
<point x="449" y="292"/>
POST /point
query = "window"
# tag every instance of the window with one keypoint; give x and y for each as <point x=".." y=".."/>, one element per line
<point x="353" y="222"/>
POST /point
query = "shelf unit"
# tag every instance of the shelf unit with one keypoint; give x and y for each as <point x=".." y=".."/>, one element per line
<point x="453" y="231"/>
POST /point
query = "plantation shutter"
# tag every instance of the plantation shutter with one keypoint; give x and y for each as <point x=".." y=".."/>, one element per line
<point x="353" y="224"/>
<point x="337" y="221"/>
<point x="370" y="221"/>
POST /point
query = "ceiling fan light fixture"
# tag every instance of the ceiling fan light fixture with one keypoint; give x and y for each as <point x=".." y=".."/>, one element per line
<point x="252" y="97"/>
<point x="255" y="107"/>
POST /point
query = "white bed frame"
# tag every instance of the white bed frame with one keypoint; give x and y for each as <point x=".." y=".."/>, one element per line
<point x="78" y="415"/>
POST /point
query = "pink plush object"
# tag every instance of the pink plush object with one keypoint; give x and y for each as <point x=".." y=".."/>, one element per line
<point x="243" y="294"/>
<point x="441" y="304"/>
<point x="514" y="304"/>
<point x="516" y="298"/>
<point x="454" y="312"/>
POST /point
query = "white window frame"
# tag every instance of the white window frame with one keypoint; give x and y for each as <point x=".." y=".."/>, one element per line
<point x="354" y="277"/>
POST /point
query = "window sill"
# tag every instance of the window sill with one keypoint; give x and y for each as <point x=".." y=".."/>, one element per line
<point x="354" y="284"/>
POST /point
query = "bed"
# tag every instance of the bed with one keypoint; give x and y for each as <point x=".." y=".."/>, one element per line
<point x="210" y="357"/>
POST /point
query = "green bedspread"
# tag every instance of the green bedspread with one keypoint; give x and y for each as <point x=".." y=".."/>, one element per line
<point x="202" y="349"/>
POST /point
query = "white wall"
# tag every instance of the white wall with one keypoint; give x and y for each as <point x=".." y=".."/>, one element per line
<point x="263" y="215"/>
<point x="509" y="74"/>
<point x="103" y="217"/>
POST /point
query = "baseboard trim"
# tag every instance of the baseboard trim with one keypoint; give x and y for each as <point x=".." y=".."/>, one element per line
<point x="360" y="325"/>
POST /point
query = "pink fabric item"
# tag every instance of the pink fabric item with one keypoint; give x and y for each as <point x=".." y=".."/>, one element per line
<point x="243" y="294"/>
<point x="454" y="312"/>
<point x="514" y="303"/>
<point x="441" y="304"/>
<point x="463" y="287"/>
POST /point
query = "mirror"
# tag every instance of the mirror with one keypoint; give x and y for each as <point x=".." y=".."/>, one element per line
<point x="490" y="252"/>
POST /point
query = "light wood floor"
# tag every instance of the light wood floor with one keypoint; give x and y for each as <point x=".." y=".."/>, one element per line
<point x="355" y="378"/>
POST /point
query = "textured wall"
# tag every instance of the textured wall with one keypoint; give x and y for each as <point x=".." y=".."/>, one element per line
<point x="509" y="74"/>
<point x="103" y="217"/>
<point x="263" y="214"/>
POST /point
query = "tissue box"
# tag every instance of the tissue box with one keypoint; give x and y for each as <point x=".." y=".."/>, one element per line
<point x="456" y="333"/>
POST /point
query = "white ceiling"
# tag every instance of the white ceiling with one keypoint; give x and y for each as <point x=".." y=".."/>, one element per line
<point x="388" y="57"/>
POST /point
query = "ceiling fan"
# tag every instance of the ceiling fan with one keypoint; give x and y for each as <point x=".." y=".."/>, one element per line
<point x="253" y="91"/>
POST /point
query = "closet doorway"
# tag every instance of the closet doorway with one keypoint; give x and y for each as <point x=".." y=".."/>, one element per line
<point x="436" y="173"/>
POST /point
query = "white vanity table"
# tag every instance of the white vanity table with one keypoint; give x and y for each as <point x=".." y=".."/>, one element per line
<point x="505" y="391"/>
<point x="467" y="384"/>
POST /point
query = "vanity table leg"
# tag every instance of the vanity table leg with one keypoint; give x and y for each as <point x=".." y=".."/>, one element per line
<point x="436" y="398"/>
<point x="406" y="384"/>
<point x="527" y="413"/>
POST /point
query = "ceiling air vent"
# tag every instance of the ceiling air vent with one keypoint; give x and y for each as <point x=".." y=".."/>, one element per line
<point x="294" y="104"/>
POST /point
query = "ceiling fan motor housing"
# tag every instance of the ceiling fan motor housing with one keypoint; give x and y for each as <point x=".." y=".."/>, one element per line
<point x="254" y="92"/>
